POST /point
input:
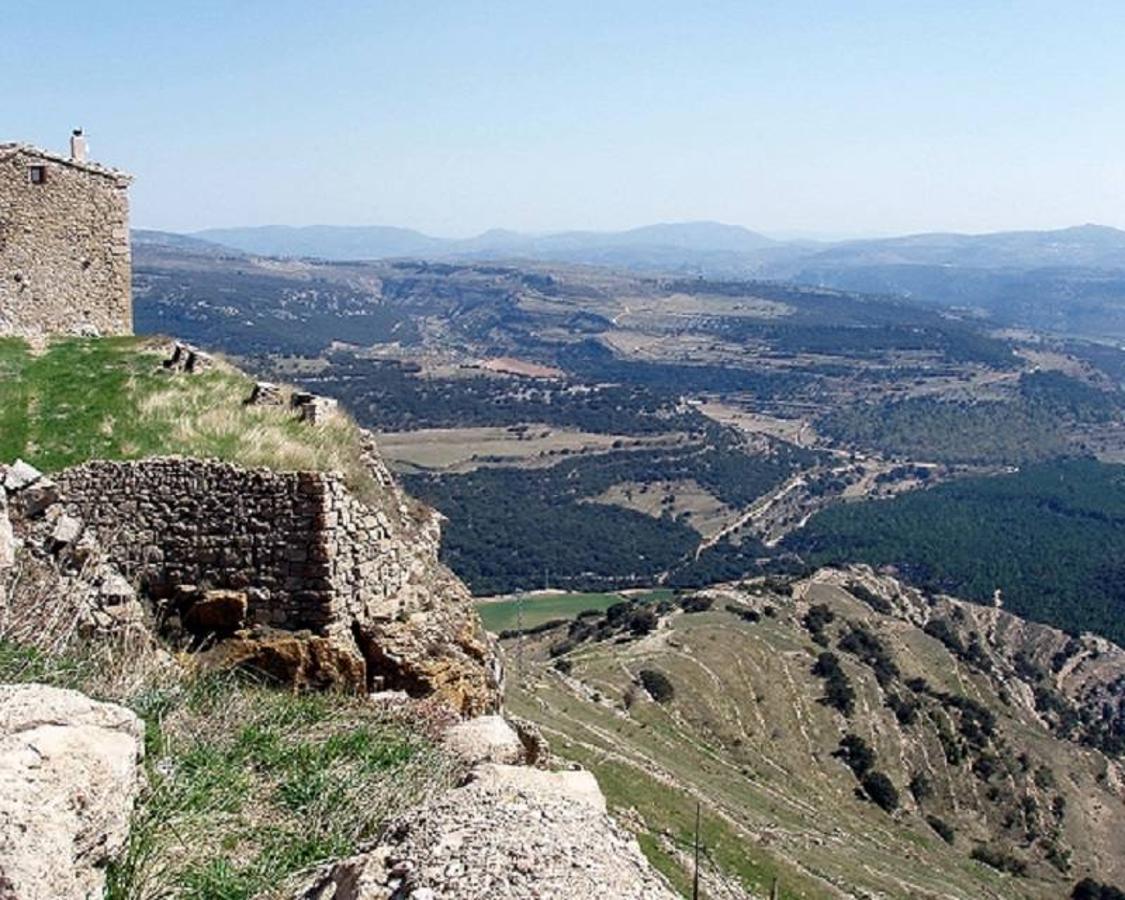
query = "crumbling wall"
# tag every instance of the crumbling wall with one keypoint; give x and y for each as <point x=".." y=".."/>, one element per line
<point x="176" y="522"/>
<point x="65" y="263"/>
<point x="303" y="554"/>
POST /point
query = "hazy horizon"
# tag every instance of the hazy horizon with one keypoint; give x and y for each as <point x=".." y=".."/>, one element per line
<point x="453" y="119"/>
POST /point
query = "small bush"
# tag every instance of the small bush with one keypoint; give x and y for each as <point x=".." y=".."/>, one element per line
<point x="838" y="692"/>
<point x="1000" y="859"/>
<point x="881" y="790"/>
<point x="944" y="829"/>
<point x="657" y="684"/>
<point x="816" y="620"/>
<point x="921" y="787"/>
<point x="869" y="597"/>
<point x="856" y="753"/>
<point x="696" y="603"/>
<point x="744" y="612"/>
<point x="1088" y="889"/>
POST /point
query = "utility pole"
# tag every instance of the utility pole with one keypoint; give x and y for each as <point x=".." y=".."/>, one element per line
<point x="519" y="638"/>
<point x="695" y="880"/>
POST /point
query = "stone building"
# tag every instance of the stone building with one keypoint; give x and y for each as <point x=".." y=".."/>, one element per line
<point x="64" y="243"/>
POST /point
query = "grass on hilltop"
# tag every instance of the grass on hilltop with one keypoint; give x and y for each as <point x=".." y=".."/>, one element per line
<point x="109" y="398"/>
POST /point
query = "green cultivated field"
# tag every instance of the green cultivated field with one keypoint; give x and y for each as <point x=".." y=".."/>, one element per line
<point x="499" y="615"/>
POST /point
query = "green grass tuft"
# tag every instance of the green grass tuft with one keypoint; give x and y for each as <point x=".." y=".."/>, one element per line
<point x="249" y="786"/>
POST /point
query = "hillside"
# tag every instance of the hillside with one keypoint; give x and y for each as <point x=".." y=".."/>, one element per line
<point x="1070" y="280"/>
<point x="985" y="797"/>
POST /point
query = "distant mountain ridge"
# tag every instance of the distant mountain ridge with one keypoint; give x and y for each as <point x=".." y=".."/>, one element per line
<point x="379" y="242"/>
<point x="1083" y="245"/>
<point x="1069" y="280"/>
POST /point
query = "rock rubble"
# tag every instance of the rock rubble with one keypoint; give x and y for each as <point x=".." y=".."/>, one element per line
<point x="497" y="839"/>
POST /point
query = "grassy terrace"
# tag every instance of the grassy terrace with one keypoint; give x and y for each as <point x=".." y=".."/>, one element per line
<point x="109" y="398"/>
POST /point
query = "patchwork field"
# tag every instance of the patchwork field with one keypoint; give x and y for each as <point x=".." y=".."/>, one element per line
<point x="457" y="450"/>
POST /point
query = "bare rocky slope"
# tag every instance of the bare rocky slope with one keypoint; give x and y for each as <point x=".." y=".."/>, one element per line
<point x="848" y="735"/>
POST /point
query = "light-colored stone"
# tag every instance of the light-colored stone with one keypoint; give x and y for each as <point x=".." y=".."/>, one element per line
<point x="266" y="393"/>
<point x="67" y="530"/>
<point x="577" y="785"/>
<point x="484" y="739"/>
<point x="20" y="475"/>
<point x="487" y="841"/>
<point x="115" y="590"/>
<point x="188" y="359"/>
<point x="7" y="536"/>
<point x="69" y="776"/>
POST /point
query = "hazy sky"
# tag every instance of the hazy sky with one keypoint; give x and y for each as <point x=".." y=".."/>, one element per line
<point x="452" y="117"/>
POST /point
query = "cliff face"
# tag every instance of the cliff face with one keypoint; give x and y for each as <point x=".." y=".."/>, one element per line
<point x="288" y="573"/>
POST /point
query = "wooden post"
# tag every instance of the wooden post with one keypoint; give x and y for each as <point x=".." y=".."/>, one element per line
<point x="695" y="880"/>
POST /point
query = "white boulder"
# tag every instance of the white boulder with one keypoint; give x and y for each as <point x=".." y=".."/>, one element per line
<point x="484" y="739"/>
<point x="69" y="776"/>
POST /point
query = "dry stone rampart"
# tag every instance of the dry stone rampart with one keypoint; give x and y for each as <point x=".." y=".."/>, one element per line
<point x="65" y="263"/>
<point x="363" y="579"/>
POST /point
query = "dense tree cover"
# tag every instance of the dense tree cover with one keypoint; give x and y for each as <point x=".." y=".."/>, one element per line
<point x="512" y="529"/>
<point x="509" y="528"/>
<point x="1031" y="425"/>
<point x="246" y="312"/>
<point x="945" y="431"/>
<point x="848" y="324"/>
<point x="724" y="561"/>
<point x="393" y="397"/>
<point x="1051" y="536"/>
<point x="593" y="361"/>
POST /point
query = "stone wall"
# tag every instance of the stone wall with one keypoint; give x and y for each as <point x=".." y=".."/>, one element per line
<point x="303" y="554"/>
<point x="64" y="246"/>
<point x="172" y="523"/>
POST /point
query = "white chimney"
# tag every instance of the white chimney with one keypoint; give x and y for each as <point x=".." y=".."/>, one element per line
<point x="78" y="145"/>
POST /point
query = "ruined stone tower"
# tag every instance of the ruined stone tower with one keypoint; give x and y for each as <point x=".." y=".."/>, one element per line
<point x="64" y="243"/>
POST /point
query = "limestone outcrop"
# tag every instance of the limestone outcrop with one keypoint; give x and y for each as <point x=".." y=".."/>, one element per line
<point x="484" y="739"/>
<point x="69" y="776"/>
<point x="499" y="836"/>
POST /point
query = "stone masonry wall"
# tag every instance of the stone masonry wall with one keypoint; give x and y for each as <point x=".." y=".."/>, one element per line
<point x="304" y="550"/>
<point x="174" y="522"/>
<point x="361" y="579"/>
<point x="64" y="247"/>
